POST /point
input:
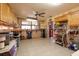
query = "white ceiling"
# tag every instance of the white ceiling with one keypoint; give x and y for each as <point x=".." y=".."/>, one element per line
<point x="26" y="9"/>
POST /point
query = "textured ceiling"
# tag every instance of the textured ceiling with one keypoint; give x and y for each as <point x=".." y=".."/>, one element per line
<point x="26" y="9"/>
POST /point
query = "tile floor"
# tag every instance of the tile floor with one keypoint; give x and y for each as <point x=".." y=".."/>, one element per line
<point x="41" y="47"/>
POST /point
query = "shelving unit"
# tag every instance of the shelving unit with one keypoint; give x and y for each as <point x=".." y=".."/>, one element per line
<point x="73" y="38"/>
<point x="66" y="36"/>
<point x="69" y="32"/>
<point x="60" y="29"/>
<point x="50" y="28"/>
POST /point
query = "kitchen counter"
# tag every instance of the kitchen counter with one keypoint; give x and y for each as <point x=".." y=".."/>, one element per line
<point x="8" y="47"/>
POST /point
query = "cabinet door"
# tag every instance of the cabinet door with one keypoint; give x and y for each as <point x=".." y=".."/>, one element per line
<point x="10" y="17"/>
<point x="4" y="12"/>
<point x="74" y="19"/>
<point x="15" y="20"/>
<point x="7" y="15"/>
<point x="61" y="18"/>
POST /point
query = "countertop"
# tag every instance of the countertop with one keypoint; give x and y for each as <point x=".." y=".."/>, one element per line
<point x="8" y="47"/>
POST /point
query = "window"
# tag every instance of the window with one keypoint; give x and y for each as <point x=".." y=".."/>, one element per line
<point x="30" y="24"/>
<point x="26" y="23"/>
<point x="26" y="27"/>
<point x="34" y="22"/>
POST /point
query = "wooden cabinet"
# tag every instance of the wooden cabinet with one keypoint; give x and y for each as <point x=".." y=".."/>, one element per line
<point x="61" y="18"/>
<point x="7" y="15"/>
<point x="4" y="12"/>
<point x="10" y="16"/>
<point x="72" y="16"/>
<point x="14" y="18"/>
<point x="74" y="19"/>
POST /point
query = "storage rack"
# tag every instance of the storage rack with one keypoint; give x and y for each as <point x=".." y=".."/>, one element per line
<point x="73" y="37"/>
<point x="61" y="30"/>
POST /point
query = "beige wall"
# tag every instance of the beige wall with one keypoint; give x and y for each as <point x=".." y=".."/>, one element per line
<point x="36" y="34"/>
<point x="43" y="24"/>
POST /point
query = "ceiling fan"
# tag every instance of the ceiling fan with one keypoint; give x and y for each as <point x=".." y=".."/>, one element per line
<point x="39" y="14"/>
<point x="36" y="14"/>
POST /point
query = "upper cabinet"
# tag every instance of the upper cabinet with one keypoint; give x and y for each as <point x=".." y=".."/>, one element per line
<point x="61" y="18"/>
<point x="74" y="19"/>
<point x="7" y="15"/>
<point x="4" y="12"/>
<point x="72" y="16"/>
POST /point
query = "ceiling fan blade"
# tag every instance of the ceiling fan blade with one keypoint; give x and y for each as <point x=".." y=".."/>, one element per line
<point x="32" y="18"/>
<point x="37" y="14"/>
<point x="42" y="16"/>
<point x="42" y="13"/>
